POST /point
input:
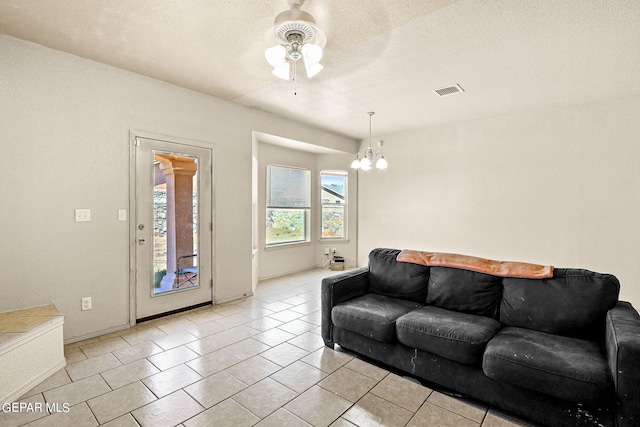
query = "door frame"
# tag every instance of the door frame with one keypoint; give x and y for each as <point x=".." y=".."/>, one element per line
<point x="133" y="134"/>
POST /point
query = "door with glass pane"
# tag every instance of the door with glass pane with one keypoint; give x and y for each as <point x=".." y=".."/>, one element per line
<point x="173" y="226"/>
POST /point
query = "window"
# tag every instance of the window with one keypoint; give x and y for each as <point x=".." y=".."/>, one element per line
<point x="288" y="205"/>
<point x="333" y="198"/>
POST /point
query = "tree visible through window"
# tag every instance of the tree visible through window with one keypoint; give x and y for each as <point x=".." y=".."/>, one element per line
<point x="333" y="194"/>
<point x="288" y="204"/>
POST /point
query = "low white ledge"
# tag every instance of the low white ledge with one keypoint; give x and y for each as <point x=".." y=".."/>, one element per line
<point x="31" y="349"/>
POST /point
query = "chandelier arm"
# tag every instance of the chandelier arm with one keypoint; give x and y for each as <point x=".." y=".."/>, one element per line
<point x="371" y="113"/>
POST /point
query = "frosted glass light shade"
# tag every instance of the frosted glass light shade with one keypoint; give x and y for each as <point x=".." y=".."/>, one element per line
<point x="312" y="70"/>
<point x="282" y="71"/>
<point x="312" y="53"/>
<point x="275" y="55"/>
<point x="381" y="163"/>
<point x="365" y="164"/>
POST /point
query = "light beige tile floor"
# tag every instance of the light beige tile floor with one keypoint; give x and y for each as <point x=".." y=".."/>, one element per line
<point x="255" y="361"/>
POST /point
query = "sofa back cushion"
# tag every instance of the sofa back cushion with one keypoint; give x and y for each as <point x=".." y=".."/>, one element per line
<point x="572" y="303"/>
<point x="397" y="279"/>
<point x="464" y="291"/>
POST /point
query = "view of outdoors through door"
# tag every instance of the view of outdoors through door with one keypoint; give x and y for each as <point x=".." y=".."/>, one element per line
<point x="175" y="223"/>
<point x="173" y="231"/>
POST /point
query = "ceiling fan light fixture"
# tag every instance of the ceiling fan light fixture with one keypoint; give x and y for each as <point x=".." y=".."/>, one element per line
<point x="299" y="38"/>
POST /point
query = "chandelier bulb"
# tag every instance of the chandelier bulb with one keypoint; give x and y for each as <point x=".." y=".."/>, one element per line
<point x="356" y="163"/>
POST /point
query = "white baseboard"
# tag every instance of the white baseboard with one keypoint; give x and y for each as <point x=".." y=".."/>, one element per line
<point x="286" y="273"/>
<point x="96" y="334"/>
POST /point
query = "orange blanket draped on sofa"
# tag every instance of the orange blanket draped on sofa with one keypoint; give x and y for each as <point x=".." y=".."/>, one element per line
<point x="496" y="268"/>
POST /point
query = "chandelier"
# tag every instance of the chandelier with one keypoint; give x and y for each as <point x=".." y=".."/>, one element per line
<point x="299" y="38"/>
<point x="368" y="158"/>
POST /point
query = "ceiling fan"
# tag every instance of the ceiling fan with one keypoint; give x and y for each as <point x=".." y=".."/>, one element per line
<point x="299" y="38"/>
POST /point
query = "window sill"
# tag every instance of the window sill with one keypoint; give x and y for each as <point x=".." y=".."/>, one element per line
<point x="335" y="241"/>
<point x="285" y="246"/>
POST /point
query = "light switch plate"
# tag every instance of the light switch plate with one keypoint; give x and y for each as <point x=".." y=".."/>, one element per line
<point x="122" y="214"/>
<point x="83" y="215"/>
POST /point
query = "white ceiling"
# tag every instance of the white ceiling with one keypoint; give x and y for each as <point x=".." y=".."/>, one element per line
<point x="385" y="56"/>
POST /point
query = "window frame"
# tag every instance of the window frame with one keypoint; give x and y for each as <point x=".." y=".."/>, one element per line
<point x="306" y="209"/>
<point x="345" y="206"/>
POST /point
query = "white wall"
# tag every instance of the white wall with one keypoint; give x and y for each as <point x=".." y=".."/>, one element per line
<point x="559" y="187"/>
<point x="64" y="138"/>
<point x="286" y="259"/>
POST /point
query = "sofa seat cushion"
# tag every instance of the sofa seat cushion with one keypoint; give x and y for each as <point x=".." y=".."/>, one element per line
<point x="567" y="368"/>
<point x="456" y="336"/>
<point x="372" y="315"/>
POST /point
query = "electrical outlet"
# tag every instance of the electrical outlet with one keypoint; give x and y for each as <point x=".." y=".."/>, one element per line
<point x="83" y="215"/>
<point x="86" y="303"/>
<point x="326" y="251"/>
<point x="334" y="251"/>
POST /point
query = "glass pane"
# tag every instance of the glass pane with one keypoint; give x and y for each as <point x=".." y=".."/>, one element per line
<point x="333" y="221"/>
<point x="286" y="225"/>
<point x="175" y="222"/>
<point x="287" y="187"/>
<point x="194" y="209"/>
<point x="159" y="234"/>
<point x="333" y="188"/>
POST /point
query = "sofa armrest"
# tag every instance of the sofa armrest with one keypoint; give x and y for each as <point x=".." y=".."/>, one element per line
<point x="623" y="353"/>
<point x="337" y="289"/>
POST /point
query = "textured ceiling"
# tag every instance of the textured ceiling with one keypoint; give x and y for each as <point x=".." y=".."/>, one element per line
<point x="384" y="56"/>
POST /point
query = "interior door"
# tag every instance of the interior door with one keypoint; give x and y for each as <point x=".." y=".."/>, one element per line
<point x="173" y="226"/>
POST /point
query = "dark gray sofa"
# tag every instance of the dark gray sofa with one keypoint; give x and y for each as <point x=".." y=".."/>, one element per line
<point x="561" y="351"/>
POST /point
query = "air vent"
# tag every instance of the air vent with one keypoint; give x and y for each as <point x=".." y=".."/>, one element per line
<point x="449" y="90"/>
